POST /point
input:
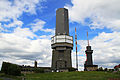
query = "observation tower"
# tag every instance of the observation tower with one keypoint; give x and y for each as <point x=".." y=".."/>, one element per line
<point x="62" y="42"/>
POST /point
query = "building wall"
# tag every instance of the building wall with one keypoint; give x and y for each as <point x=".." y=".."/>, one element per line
<point x="61" y="59"/>
<point x="91" y="68"/>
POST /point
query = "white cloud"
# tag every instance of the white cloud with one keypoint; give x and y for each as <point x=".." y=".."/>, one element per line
<point x="106" y="49"/>
<point x="11" y="11"/>
<point x="39" y="25"/>
<point x="14" y="9"/>
<point x="17" y="48"/>
<point x="1" y="28"/>
<point x="102" y="13"/>
<point x="22" y="46"/>
<point x="81" y="60"/>
<point x="16" y="23"/>
<point x="24" y="32"/>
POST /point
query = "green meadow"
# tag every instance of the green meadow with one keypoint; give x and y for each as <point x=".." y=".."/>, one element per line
<point x="73" y="76"/>
<point x="91" y="75"/>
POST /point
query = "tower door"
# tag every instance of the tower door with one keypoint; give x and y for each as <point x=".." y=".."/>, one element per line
<point x="61" y="64"/>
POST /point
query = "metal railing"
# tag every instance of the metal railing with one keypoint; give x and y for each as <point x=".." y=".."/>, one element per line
<point x="62" y="39"/>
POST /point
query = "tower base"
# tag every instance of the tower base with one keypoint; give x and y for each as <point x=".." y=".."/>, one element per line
<point x="61" y="60"/>
<point x="90" y="67"/>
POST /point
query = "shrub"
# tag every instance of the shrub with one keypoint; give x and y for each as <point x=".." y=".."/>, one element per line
<point x="100" y="69"/>
<point x="72" y="69"/>
<point x="10" y="69"/>
<point x="105" y="69"/>
<point x="39" y="70"/>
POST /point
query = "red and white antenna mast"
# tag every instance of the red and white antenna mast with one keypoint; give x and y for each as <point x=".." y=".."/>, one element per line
<point x="76" y="49"/>
<point x="88" y="39"/>
<point x="88" y="43"/>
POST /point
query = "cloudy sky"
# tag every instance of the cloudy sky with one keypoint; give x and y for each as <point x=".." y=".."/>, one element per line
<point x="26" y="28"/>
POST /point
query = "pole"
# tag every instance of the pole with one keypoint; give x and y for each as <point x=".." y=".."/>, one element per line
<point x="88" y="39"/>
<point x="76" y="49"/>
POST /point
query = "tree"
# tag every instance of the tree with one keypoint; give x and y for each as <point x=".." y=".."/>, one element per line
<point x="105" y="69"/>
<point x="100" y="69"/>
<point x="39" y="70"/>
<point x="11" y="69"/>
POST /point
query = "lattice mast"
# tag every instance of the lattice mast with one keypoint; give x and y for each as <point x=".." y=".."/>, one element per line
<point x="88" y="43"/>
<point x="76" y="49"/>
<point x="88" y="39"/>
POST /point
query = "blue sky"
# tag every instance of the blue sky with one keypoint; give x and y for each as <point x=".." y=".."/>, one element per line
<point x="26" y="28"/>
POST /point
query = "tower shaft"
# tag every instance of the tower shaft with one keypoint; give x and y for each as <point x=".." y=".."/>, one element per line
<point x="62" y="22"/>
<point x="61" y="43"/>
<point x="89" y="55"/>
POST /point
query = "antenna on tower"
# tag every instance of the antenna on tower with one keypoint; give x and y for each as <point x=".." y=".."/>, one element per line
<point x="76" y="49"/>
<point x="88" y="39"/>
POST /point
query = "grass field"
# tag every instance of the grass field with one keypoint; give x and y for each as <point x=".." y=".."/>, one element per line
<point x="73" y="76"/>
<point x="91" y="75"/>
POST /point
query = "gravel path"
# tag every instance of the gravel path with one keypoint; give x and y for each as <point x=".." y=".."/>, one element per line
<point x="4" y="78"/>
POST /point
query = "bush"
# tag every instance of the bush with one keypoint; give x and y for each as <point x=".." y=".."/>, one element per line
<point x="39" y="70"/>
<point x="11" y="69"/>
<point x="100" y="69"/>
<point x="72" y="69"/>
<point x="105" y="69"/>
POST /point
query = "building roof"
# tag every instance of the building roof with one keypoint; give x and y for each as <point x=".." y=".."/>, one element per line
<point x="117" y="66"/>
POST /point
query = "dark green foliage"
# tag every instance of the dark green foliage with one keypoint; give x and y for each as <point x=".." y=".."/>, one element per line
<point x="39" y="70"/>
<point x="116" y="69"/>
<point x="10" y="69"/>
<point x="4" y="67"/>
<point x="100" y="69"/>
<point x="105" y="69"/>
<point x="71" y="69"/>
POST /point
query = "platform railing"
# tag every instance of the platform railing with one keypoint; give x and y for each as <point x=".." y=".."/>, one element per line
<point x="62" y="39"/>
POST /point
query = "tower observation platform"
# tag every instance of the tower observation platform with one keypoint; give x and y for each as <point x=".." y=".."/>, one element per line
<point x="61" y="43"/>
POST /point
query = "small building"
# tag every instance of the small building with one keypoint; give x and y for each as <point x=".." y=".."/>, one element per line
<point x="117" y="68"/>
<point x="91" y="67"/>
<point x="31" y="69"/>
<point x="27" y="69"/>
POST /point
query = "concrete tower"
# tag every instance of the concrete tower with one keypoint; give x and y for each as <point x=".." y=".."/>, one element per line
<point x="61" y="43"/>
<point x="88" y="66"/>
<point x="89" y="56"/>
<point x="35" y="64"/>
